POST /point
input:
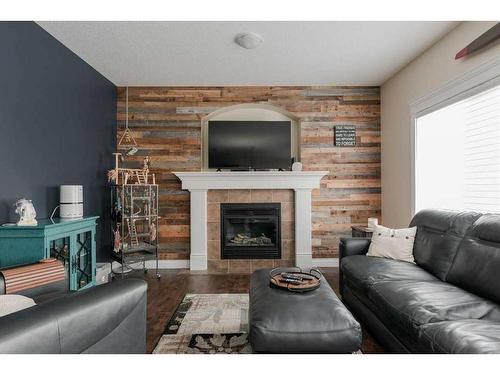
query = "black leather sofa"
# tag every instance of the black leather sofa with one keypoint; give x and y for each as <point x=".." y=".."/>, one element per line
<point x="448" y="302"/>
<point x="109" y="318"/>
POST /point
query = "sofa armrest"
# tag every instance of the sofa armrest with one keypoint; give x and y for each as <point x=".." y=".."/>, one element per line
<point x="109" y="318"/>
<point x="353" y="246"/>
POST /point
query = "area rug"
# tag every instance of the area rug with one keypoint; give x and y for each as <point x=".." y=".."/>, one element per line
<point x="207" y="324"/>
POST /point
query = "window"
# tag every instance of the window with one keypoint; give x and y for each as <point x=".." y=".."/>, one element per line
<point x="457" y="155"/>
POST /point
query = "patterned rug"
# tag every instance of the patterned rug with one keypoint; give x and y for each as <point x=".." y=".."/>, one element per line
<point x="207" y="324"/>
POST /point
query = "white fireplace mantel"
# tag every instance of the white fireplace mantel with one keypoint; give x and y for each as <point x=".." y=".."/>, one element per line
<point x="250" y="180"/>
<point x="198" y="183"/>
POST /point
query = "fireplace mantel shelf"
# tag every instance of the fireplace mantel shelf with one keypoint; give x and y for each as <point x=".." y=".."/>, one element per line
<point x="250" y="180"/>
<point x="198" y="183"/>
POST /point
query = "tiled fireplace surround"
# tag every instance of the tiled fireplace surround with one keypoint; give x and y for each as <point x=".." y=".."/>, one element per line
<point x="209" y="189"/>
<point x="216" y="197"/>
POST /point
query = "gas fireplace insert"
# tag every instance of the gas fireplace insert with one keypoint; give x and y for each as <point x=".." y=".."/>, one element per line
<point x="250" y="230"/>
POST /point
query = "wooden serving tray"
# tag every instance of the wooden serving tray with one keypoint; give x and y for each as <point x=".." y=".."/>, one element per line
<point x="277" y="281"/>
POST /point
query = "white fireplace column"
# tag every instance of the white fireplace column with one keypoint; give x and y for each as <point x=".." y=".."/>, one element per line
<point x="198" y="230"/>
<point x="198" y="183"/>
<point x="303" y="228"/>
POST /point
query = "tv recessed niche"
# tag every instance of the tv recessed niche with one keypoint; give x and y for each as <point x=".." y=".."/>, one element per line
<point x="247" y="145"/>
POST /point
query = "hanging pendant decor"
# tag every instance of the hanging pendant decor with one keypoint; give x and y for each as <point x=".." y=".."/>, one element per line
<point x="127" y="139"/>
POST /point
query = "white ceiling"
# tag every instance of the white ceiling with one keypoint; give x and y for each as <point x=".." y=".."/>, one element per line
<point x="204" y="54"/>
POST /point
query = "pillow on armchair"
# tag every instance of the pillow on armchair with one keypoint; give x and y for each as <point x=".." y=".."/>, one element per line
<point x="393" y="243"/>
<point x="11" y="303"/>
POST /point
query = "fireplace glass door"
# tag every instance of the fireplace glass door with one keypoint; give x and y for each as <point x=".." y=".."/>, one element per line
<point x="250" y="231"/>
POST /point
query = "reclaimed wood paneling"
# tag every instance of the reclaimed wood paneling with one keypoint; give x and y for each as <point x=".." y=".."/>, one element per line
<point x="166" y="122"/>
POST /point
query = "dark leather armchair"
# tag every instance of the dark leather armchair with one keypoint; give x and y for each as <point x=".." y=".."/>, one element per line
<point x="109" y="318"/>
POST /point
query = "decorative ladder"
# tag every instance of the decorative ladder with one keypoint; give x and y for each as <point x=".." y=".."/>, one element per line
<point x="141" y="177"/>
<point x="133" y="232"/>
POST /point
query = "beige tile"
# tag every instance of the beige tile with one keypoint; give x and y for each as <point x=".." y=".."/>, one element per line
<point x="217" y="196"/>
<point x="218" y="266"/>
<point x="213" y="250"/>
<point x="237" y="196"/>
<point x="287" y="249"/>
<point x="262" y="263"/>
<point x="261" y="195"/>
<point x="213" y="212"/>
<point x="283" y="196"/>
<point x="239" y="266"/>
<point x="287" y="230"/>
<point x="213" y="231"/>
<point x="287" y="211"/>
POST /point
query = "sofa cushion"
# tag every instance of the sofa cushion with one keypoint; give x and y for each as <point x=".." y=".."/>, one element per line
<point x="476" y="266"/>
<point x="11" y="303"/>
<point x="364" y="271"/>
<point x="461" y="337"/>
<point x="392" y="243"/>
<point x="438" y="235"/>
<point x="409" y="304"/>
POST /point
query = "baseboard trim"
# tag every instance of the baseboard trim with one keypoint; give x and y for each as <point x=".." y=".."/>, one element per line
<point x="168" y="263"/>
<point x="184" y="263"/>
<point x="163" y="264"/>
<point x="325" y="262"/>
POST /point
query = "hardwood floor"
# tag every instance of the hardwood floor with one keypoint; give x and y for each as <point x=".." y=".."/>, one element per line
<point x="165" y="294"/>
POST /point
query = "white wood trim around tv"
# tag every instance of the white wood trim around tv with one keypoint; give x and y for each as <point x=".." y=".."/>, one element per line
<point x="250" y="112"/>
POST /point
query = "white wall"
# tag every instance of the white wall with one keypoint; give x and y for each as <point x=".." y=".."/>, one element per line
<point x="429" y="71"/>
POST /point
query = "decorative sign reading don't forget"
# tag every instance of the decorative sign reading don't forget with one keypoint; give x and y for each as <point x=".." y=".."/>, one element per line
<point x="345" y="136"/>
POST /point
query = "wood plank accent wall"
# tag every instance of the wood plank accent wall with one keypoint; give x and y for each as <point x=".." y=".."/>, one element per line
<point x="166" y="122"/>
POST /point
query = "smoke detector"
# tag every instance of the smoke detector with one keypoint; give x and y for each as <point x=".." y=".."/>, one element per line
<point x="248" y="40"/>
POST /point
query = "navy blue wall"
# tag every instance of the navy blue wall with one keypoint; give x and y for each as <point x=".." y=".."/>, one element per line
<point x="57" y="125"/>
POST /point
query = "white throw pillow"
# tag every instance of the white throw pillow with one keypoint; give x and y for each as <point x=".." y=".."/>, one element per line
<point x="10" y="303"/>
<point x="393" y="243"/>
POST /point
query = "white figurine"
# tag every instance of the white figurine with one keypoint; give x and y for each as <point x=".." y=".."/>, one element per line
<point x="26" y="212"/>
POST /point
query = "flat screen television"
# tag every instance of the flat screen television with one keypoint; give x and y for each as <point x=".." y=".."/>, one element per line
<point x="241" y="145"/>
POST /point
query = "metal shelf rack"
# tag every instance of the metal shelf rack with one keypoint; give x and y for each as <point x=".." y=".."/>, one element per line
<point x="134" y="225"/>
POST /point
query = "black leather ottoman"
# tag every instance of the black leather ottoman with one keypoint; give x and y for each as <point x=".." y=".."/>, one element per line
<point x="312" y="322"/>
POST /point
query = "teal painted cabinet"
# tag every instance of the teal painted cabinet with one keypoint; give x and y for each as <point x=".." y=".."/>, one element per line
<point x="71" y="241"/>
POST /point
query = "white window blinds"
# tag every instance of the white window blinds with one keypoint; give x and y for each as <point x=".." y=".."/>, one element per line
<point x="457" y="155"/>
<point x="482" y="152"/>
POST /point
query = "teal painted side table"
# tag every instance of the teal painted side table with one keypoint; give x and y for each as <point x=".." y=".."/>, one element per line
<point x="71" y="241"/>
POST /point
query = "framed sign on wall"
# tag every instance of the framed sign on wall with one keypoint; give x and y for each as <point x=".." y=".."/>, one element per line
<point x="345" y="136"/>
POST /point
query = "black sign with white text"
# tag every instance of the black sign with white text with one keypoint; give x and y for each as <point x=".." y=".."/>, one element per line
<point x="345" y="136"/>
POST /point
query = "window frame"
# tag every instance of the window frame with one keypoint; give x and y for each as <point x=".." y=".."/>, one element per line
<point x="483" y="77"/>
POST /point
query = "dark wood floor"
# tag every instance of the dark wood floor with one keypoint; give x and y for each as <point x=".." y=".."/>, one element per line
<point x="165" y="294"/>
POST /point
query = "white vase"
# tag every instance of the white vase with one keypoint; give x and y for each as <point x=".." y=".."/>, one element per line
<point x="297" y="166"/>
<point x="372" y="222"/>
